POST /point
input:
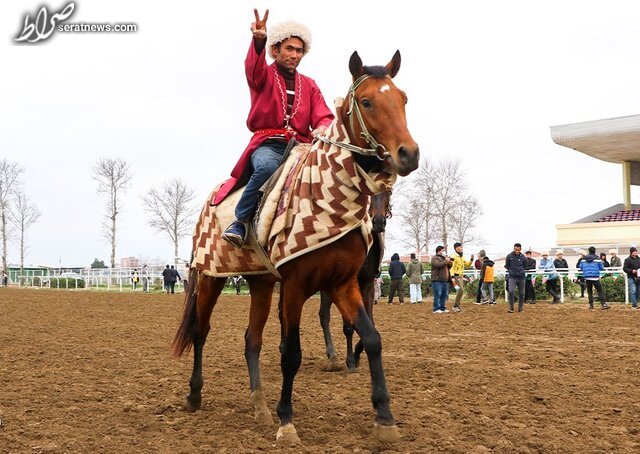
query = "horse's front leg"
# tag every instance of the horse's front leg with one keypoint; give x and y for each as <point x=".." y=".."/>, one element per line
<point x="367" y="291"/>
<point x="349" y="301"/>
<point x="290" y="311"/>
<point x="325" y="318"/>
<point x="261" y="295"/>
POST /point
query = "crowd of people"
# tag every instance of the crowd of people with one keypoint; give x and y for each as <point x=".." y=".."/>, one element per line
<point x="521" y="270"/>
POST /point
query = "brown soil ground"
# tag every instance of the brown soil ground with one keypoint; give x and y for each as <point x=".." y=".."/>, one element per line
<point x="92" y="372"/>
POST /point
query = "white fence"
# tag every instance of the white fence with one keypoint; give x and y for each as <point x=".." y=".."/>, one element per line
<point x="120" y="279"/>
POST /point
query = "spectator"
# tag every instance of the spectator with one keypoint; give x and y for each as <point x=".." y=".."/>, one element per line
<point x="478" y="266"/>
<point x="514" y="264"/>
<point x="237" y="283"/>
<point x="457" y="274"/>
<point x="5" y="278"/>
<point x="377" y="289"/>
<point x="414" y="273"/>
<point x="560" y="263"/>
<point x="631" y="266"/>
<point x="615" y="261"/>
<point x="185" y="277"/>
<point x="487" y="279"/>
<point x="603" y="258"/>
<point x="175" y="277"/>
<point x="135" y="278"/>
<point x="550" y="278"/>
<point x="166" y="278"/>
<point x="145" y="278"/>
<point x="396" y="271"/>
<point x="579" y="277"/>
<point x="591" y="267"/>
<point x="440" y="277"/>
<point x="530" y="266"/>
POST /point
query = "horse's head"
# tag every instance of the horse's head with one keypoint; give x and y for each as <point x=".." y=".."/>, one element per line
<point x="380" y="210"/>
<point x="379" y="108"/>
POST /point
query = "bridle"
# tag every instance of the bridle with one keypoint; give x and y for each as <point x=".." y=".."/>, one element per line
<point x="375" y="147"/>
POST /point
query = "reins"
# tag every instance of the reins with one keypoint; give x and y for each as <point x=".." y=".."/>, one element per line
<point x="364" y="132"/>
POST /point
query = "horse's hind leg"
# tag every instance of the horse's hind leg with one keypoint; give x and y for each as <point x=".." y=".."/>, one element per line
<point x="207" y="293"/>
<point x="261" y="294"/>
<point x="347" y="329"/>
<point x="325" y="318"/>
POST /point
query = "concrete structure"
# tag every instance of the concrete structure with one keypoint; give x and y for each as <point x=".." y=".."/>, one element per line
<point x="614" y="140"/>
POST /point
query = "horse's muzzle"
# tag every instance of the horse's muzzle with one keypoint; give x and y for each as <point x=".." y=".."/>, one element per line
<point x="408" y="160"/>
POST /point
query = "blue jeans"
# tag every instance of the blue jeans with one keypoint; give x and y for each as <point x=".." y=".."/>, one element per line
<point x="264" y="162"/>
<point x="440" y="294"/>
<point x="633" y="292"/>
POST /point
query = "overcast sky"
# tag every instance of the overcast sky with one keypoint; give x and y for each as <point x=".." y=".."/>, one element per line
<point x="485" y="82"/>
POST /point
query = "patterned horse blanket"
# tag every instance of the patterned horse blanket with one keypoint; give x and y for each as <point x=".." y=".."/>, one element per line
<point x="319" y="195"/>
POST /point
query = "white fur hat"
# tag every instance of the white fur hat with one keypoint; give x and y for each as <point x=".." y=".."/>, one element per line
<point x="613" y="251"/>
<point x="544" y="253"/>
<point x="582" y="252"/>
<point x="285" y="30"/>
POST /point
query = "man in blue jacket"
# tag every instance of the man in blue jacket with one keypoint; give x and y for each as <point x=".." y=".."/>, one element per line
<point x="591" y="267"/>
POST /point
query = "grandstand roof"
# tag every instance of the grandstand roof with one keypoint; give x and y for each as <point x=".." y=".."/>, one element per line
<point x="613" y="140"/>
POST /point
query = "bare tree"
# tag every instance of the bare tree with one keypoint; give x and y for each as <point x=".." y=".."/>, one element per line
<point x="9" y="183"/>
<point x="463" y="219"/>
<point x="113" y="177"/>
<point x="415" y="211"/>
<point x="435" y="203"/>
<point x="449" y="189"/>
<point x="23" y="214"/>
<point x="171" y="210"/>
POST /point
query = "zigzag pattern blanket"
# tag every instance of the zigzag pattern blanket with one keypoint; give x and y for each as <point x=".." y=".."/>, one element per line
<point x="321" y="195"/>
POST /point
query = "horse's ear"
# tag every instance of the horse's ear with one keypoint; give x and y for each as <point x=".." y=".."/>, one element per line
<point x="394" y="65"/>
<point x="355" y="65"/>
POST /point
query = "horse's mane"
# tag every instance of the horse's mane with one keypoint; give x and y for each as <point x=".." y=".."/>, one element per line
<point x="375" y="71"/>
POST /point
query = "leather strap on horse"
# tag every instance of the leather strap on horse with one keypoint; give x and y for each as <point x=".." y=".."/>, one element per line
<point x="260" y="252"/>
<point x="364" y="132"/>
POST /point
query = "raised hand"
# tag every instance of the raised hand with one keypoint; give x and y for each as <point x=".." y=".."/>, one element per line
<point x="259" y="27"/>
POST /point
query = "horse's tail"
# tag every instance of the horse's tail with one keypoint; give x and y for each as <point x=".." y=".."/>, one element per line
<point x="184" y="336"/>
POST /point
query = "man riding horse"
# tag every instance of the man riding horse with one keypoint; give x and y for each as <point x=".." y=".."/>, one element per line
<point x="284" y="104"/>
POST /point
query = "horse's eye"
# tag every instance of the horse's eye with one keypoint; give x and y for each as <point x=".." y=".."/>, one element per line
<point x="365" y="103"/>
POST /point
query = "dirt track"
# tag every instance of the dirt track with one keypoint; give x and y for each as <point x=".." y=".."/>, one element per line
<point x="92" y="372"/>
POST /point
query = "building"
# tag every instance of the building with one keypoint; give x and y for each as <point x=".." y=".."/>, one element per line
<point x="129" y="262"/>
<point x="614" y="140"/>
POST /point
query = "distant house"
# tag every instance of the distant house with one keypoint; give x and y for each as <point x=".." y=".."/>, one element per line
<point x="129" y="262"/>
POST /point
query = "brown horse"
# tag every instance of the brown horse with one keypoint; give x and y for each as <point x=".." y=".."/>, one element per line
<point x="380" y="211"/>
<point x="376" y="128"/>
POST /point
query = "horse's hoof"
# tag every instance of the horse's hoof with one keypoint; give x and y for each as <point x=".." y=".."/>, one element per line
<point x="287" y="434"/>
<point x="334" y="365"/>
<point x="192" y="403"/>
<point x="263" y="419"/>
<point x="261" y="412"/>
<point x="386" y="434"/>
